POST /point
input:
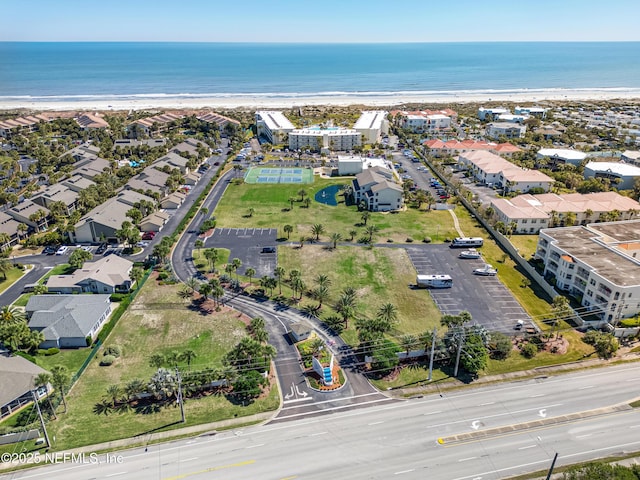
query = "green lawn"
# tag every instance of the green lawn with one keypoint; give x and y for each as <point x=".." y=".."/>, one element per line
<point x="380" y="275"/>
<point x="202" y="264"/>
<point x="64" y="269"/>
<point x="10" y="278"/>
<point x="272" y="210"/>
<point x="72" y="359"/>
<point x="158" y="321"/>
<point x="526" y="244"/>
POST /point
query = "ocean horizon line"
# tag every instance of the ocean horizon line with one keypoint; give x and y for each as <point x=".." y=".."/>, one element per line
<point x="220" y="42"/>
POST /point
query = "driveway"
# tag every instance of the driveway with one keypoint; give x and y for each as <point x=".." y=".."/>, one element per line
<point x="488" y="301"/>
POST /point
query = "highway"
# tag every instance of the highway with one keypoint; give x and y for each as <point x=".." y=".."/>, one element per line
<point x="400" y="439"/>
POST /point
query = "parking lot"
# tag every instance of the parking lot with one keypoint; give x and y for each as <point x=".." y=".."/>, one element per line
<point x="490" y="303"/>
<point x="247" y="244"/>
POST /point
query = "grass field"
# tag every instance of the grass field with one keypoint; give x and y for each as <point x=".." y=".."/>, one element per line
<point x="158" y="321"/>
<point x="380" y="275"/>
<point x="202" y="264"/>
<point x="272" y="210"/>
<point x="11" y="276"/>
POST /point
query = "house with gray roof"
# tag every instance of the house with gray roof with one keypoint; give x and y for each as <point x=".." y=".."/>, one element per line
<point x="83" y="152"/>
<point x="101" y="223"/>
<point x="9" y="226"/>
<point x="173" y="161"/>
<point x="149" y="179"/>
<point x="77" y="183"/>
<point x="91" y="167"/>
<point x="68" y="321"/>
<point x="109" y="275"/>
<point x="16" y="377"/>
<point x="190" y="146"/>
<point x="377" y="189"/>
<point x="57" y="193"/>
<point x="173" y="200"/>
<point x="154" y="222"/>
<point x="25" y="209"/>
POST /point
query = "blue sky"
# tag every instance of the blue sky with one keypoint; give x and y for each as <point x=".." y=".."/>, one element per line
<point x="320" y="21"/>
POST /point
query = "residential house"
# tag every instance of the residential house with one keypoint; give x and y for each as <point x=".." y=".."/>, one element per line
<point x="83" y="152"/>
<point x="109" y="275"/>
<point x="154" y="222"/>
<point x="68" y="321"/>
<point x="190" y="146"/>
<point x="173" y="161"/>
<point x="490" y="114"/>
<point x="622" y="175"/>
<point x="9" y="226"/>
<point x="150" y="179"/>
<point x="440" y="148"/>
<point x="631" y="156"/>
<point x="77" y="183"/>
<point x="377" y="188"/>
<point x="425" y="121"/>
<point x="562" y="156"/>
<point x="130" y="142"/>
<point x="538" y="112"/>
<point x="57" y="193"/>
<point x="26" y="124"/>
<point x="599" y="264"/>
<point x="506" y="130"/>
<point x="191" y="179"/>
<point x="512" y="118"/>
<point x="92" y="121"/>
<point x="354" y="164"/>
<point x="216" y="119"/>
<point x="530" y="213"/>
<point x="273" y="126"/>
<point x="491" y="170"/>
<point x="372" y="125"/>
<point x="32" y="214"/>
<point x="90" y="167"/>
<point x="102" y="223"/>
<point x="173" y="200"/>
<point x="156" y="125"/>
<point x="17" y="375"/>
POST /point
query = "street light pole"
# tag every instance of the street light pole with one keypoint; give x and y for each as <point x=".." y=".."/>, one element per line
<point x="180" y="399"/>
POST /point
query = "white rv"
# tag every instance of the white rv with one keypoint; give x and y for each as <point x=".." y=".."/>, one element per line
<point x="434" y="281"/>
<point x="466" y="242"/>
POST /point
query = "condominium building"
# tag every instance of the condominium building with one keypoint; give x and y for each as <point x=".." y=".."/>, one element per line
<point x="622" y="175"/>
<point x="317" y="138"/>
<point x="377" y="189"/>
<point x="538" y="112"/>
<point x="440" y="148"/>
<point x="371" y="125"/>
<point x="598" y="264"/>
<point x="273" y="126"/>
<point x="425" y="121"/>
<point x="505" y="129"/>
<point x="491" y="113"/>
<point x="562" y="155"/>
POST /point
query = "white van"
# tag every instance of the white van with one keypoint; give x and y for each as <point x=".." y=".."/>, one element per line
<point x="465" y="242"/>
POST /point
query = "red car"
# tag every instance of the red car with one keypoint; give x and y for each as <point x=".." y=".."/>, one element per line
<point x="148" y="235"/>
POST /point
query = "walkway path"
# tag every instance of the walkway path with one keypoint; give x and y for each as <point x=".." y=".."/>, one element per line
<point x="456" y="224"/>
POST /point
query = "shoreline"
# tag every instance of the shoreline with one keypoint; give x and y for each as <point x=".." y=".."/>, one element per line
<point x="277" y="101"/>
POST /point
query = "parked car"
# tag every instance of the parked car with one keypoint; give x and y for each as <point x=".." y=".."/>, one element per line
<point x="62" y="250"/>
<point x="148" y="235"/>
<point x="50" y="249"/>
<point x="471" y="253"/>
<point x="101" y="249"/>
<point x="268" y="250"/>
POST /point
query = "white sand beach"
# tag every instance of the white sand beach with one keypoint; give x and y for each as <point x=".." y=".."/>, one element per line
<point x="268" y="101"/>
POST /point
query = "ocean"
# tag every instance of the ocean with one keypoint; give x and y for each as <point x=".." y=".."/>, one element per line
<point x="91" y="71"/>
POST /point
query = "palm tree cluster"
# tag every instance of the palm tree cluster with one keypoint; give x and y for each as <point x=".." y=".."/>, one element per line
<point x="15" y="333"/>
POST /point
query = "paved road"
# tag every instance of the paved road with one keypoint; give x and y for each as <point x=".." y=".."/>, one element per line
<point x="401" y="439"/>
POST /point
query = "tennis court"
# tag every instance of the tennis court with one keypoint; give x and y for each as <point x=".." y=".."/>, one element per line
<point x="278" y="175"/>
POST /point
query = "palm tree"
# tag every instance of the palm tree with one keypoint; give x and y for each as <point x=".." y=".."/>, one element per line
<point x="250" y="272"/>
<point x="335" y="238"/>
<point x="60" y="380"/>
<point x="288" y="229"/>
<point x="302" y="192"/>
<point x="192" y="284"/>
<point x="10" y="314"/>
<point x="136" y="275"/>
<point x="43" y="380"/>
<point x="5" y="266"/>
<point x="198" y="244"/>
<point x="352" y="234"/>
<point x="388" y="313"/>
<point x="22" y="229"/>
<point x="113" y="392"/>
<point x="211" y="254"/>
<point x="250" y="212"/>
<point x="317" y="230"/>
<point x="298" y="286"/>
<point x="345" y="306"/>
<point x="306" y="202"/>
<point x="157" y="360"/>
<point x="4" y="241"/>
<point x="408" y="342"/>
<point x="217" y="292"/>
<point x="205" y="290"/>
<point x="302" y="240"/>
<point x="365" y="216"/>
<point x="425" y="339"/>
<point x="587" y="214"/>
<point x="236" y="263"/>
<point x="371" y="230"/>
<point x="291" y="200"/>
<point x="188" y="356"/>
<point x="321" y="294"/>
<point x="279" y="272"/>
<point x="134" y="387"/>
<point x="322" y="280"/>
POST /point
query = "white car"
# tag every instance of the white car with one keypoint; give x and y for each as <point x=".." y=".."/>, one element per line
<point x="487" y="271"/>
<point x="62" y="250"/>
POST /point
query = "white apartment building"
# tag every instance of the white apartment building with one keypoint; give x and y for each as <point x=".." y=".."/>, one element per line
<point x="431" y="123"/>
<point x="623" y="175"/>
<point x="273" y="126"/>
<point x="598" y="264"/>
<point x="491" y="113"/>
<point x="562" y="155"/>
<point x="530" y="213"/>
<point x="538" y="112"/>
<point x="372" y="125"/>
<point x="505" y="129"/>
<point x="332" y="138"/>
<point x="376" y="187"/>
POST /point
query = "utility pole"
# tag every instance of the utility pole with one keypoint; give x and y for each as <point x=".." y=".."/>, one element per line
<point x="433" y="349"/>
<point x="552" y="465"/>
<point x="44" y="427"/>
<point x="180" y="402"/>
<point x="460" y="342"/>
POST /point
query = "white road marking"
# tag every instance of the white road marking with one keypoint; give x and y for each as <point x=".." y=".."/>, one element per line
<point x="319" y="433"/>
<point x="488" y="403"/>
<point x="115" y="474"/>
<point x="375" y="423"/>
<point x="528" y="446"/>
<point x="467" y="459"/>
<point x="189" y="459"/>
<point x="538" y="395"/>
<point x="584" y="436"/>
<point x="587" y="387"/>
<point x="432" y="413"/>
<point x="405" y="471"/>
<point x="255" y="446"/>
<point x="634" y="426"/>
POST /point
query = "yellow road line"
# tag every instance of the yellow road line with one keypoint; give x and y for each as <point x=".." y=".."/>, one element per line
<point x="212" y="469"/>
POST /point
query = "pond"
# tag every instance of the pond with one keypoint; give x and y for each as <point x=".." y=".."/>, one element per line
<point x="328" y="195"/>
